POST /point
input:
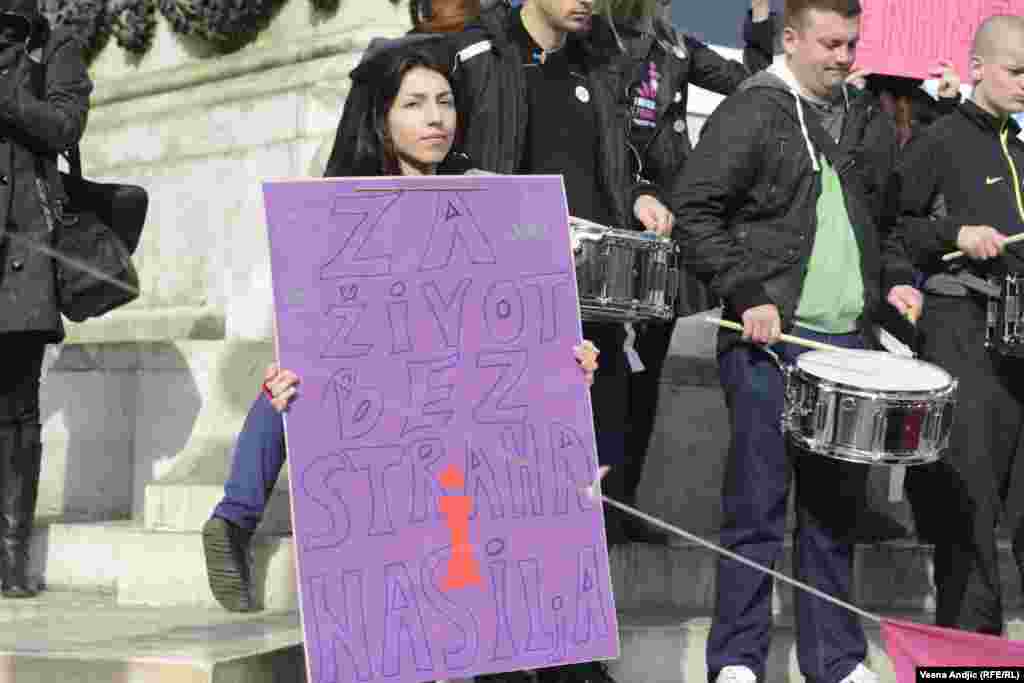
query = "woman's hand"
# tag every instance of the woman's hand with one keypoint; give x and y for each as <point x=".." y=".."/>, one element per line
<point x="281" y="386"/>
<point x="586" y="355"/>
<point x="949" y="79"/>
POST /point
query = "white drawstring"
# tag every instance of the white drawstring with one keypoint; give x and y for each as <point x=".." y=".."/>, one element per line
<point x="803" y="127"/>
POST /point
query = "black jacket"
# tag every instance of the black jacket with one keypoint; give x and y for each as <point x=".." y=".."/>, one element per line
<point x="490" y="91"/>
<point x="746" y="207"/>
<point x="957" y="172"/>
<point x="691" y="63"/>
<point x="35" y="129"/>
<point x="681" y="60"/>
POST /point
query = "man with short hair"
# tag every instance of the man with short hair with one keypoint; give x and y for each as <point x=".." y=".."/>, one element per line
<point x="959" y="188"/>
<point x="771" y="210"/>
<point x="541" y="90"/>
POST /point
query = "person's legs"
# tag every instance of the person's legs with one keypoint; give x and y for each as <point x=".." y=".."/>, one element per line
<point x="973" y="471"/>
<point x="829" y="495"/>
<point x="652" y="344"/>
<point x="754" y="493"/>
<point x="610" y="401"/>
<point x="258" y="459"/>
<point x="830" y="639"/>
<point x="259" y="456"/>
<point x="20" y="458"/>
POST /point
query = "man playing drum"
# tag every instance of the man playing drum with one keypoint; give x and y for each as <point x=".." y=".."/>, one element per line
<point x="959" y="187"/>
<point x="539" y="91"/>
<point x="769" y="210"/>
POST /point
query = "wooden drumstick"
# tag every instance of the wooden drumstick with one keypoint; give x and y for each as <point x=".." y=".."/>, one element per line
<point x="957" y="254"/>
<point x="788" y="338"/>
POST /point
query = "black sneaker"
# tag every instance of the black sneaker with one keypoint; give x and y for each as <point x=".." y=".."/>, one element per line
<point x="228" y="569"/>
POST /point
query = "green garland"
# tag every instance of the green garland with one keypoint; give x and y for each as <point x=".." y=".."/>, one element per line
<point x="219" y="21"/>
<point x="133" y="23"/>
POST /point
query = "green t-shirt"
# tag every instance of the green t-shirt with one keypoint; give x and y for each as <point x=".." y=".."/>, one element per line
<point x="833" y="294"/>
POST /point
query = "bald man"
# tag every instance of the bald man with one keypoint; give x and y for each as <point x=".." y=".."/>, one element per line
<point x="959" y="188"/>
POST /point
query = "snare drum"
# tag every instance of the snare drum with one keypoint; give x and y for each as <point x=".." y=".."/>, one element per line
<point x="1005" y="329"/>
<point x="869" y="407"/>
<point x="623" y="275"/>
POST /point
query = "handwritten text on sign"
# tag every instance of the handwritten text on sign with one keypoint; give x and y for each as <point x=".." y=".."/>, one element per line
<point x="909" y="37"/>
<point x="440" y="448"/>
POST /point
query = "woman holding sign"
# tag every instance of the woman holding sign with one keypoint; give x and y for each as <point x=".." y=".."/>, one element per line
<point x="399" y="119"/>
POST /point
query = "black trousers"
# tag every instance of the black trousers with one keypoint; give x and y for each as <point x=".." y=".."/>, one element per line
<point x="19" y="383"/>
<point x="652" y="343"/>
<point x="959" y="501"/>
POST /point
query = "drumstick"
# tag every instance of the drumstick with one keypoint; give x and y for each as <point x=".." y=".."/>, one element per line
<point x="957" y="254"/>
<point x="788" y="338"/>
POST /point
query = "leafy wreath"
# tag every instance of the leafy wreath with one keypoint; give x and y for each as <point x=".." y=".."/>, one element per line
<point x="219" y="21"/>
<point x="133" y="23"/>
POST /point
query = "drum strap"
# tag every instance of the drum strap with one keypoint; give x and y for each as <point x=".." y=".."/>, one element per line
<point x="635" y="364"/>
<point x="959" y="284"/>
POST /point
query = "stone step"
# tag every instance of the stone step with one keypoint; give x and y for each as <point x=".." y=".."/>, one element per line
<point x="186" y="504"/>
<point x="892" y="575"/>
<point x="160" y="569"/>
<point x="83" y="637"/>
<point x="661" y="645"/>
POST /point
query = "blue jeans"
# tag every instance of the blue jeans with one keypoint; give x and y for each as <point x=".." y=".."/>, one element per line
<point x="259" y="456"/>
<point x="760" y="467"/>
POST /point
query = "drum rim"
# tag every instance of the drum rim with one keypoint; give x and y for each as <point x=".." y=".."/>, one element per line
<point x="856" y="455"/>
<point x="951" y="380"/>
<point x="902" y="395"/>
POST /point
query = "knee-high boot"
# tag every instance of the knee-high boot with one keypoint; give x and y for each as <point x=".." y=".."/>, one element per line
<point x="19" y="485"/>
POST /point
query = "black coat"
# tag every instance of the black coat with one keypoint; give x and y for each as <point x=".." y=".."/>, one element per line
<point x="33" y="131"/>
<point x="681" y="61"/>
<point x="694" y="63"/>
<point x="490" y="89"/>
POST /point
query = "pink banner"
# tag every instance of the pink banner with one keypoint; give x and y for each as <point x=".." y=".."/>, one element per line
<point x="909" y="37"/>
<point x="912" y="645"/>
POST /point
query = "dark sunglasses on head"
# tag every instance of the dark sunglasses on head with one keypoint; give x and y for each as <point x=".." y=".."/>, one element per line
<point x="14" y="27"/>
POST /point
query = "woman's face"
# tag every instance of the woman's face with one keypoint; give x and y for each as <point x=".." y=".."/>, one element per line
<point x="421" y="122"/>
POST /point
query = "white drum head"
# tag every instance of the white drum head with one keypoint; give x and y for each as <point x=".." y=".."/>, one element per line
<point x="874" y="370"/>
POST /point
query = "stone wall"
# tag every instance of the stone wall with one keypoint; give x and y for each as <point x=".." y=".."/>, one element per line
<point x="159" y="389"/>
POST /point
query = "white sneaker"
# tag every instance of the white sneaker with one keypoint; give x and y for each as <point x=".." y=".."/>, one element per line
<point x="861" y="674"/>
<point x="736" y="673"/>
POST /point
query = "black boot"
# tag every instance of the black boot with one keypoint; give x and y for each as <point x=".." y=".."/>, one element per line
<point x="228" y="567"/>
<point x="19" y="485"/>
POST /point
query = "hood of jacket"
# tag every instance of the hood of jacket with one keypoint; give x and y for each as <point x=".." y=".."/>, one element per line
<point x="368" y="69"/>
<point x="778" y="77"/>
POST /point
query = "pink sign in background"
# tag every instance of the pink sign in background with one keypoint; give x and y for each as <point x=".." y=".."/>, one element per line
<point x="909" y="37"/>
<point x="440" y="449"/>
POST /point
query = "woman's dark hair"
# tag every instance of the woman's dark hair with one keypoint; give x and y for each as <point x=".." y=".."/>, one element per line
<point x="362" y="146"/>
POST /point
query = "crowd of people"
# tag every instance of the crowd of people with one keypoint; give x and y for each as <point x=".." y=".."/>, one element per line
<point x="818" y="201"/>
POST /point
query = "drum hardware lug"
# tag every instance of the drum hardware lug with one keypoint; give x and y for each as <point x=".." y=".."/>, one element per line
<point x="824" y="413"/>
<point x="879" y="424"/>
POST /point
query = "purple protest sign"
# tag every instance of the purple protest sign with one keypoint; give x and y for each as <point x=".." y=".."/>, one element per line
<point x="440" y="449"/>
